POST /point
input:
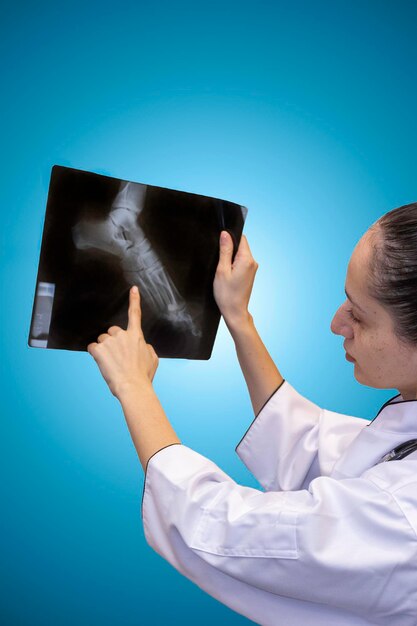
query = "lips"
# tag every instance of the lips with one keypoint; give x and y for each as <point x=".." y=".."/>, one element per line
<point x="348" y="356"/>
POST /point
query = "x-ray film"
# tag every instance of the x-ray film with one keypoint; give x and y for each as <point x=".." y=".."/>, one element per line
<point x="102" y="235"/>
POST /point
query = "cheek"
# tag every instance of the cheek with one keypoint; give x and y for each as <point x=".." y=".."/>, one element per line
<point x="375" y="354"/>
<point x="370" y="343"/>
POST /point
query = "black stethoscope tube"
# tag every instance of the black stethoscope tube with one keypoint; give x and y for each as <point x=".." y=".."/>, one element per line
<point x="401" y="451"/>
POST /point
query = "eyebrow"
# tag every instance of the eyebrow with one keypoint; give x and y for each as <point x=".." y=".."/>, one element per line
<point x="354" y="303"/>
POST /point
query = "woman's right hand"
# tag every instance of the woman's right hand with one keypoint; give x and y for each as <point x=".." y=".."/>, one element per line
<point x="233" y="282"/>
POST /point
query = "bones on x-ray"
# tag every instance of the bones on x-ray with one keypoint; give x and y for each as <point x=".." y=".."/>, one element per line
<point x="102" y="235"/>
<point x="121" y="235"/>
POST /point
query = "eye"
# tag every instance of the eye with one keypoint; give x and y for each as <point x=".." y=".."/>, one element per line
<point x="352" y="317"/>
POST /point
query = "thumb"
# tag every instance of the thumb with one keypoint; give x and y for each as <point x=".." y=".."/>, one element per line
<point x="226" y="250"/>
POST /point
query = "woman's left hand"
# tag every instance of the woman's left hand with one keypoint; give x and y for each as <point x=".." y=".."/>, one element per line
<point x="123" y="356"/>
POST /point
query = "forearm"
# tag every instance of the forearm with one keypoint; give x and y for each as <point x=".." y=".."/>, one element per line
<point x="148" y="424"/>
<point x="260" y="372"/>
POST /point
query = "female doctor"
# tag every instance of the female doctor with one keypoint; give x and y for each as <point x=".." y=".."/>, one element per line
<point x="333" y="538"/>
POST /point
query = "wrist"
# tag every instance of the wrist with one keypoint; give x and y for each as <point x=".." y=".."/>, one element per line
<point x="239" y="324"/>
<point x="128" y="388"/>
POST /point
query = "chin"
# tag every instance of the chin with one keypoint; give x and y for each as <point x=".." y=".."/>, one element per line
<point x="361" y="377"/>
<point x="368" y="382"/>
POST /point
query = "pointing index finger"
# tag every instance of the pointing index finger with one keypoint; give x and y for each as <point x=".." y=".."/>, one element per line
<point x="134" y="312"/>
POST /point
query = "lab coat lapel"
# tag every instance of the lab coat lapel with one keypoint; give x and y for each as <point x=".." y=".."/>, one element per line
<point x="395" y="423"/>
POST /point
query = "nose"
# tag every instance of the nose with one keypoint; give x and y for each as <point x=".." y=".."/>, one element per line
<point x="341" y="325"/>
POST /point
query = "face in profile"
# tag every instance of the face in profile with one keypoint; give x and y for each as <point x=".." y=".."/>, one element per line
<point x="380" y="359"/>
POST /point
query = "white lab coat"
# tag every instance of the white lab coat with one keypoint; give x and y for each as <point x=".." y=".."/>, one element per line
<point x="332" y="540"/>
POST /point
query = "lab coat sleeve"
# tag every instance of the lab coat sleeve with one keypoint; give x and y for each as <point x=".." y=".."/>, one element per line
<point x="342" y="543"/>
<point x="291" y="441"/>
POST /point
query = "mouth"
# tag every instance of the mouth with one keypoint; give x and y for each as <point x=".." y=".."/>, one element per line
<point x="348" y="356"/>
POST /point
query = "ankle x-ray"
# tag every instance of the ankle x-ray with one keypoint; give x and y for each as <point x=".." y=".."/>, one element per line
<point x="102" y="235"/>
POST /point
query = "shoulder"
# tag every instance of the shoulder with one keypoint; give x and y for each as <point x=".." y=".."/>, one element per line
<point x="399" y="479"/>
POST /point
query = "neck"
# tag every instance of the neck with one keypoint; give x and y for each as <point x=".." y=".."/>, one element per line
<point x="408" y="394"/>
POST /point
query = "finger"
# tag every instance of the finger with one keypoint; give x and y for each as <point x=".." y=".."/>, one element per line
<point x="226" y="251"/>
<point x="243" y="249"/>
<point x="113" y="330"/>
<point x="102" y="337"/>
<point x="134" y="312"/>
<point x="152" y="350"/>
<point x="91" y="348"/>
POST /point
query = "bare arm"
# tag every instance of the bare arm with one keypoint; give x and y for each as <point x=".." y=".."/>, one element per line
<point x="128" y="365"/>
<point x="148" y="424"/>
<point x="232" y="288"/>
<point x="259" y="370"/>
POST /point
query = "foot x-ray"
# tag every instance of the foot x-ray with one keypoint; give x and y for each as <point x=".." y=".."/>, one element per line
<point x="102" y="235"/>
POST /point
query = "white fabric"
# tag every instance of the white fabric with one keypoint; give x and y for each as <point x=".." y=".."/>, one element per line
<point x="331" y="540"/>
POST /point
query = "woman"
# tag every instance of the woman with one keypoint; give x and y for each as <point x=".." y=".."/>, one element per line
<point x="332" y="540"/>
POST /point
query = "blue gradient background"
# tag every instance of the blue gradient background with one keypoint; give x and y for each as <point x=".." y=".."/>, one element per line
<point x="305" y="112"/>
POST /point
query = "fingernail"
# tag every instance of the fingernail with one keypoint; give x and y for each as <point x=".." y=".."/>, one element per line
<point x="223" y="236"/>
<point x="134" y="289"/>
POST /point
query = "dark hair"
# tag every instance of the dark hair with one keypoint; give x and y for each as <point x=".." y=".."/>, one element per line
<point x="393" y="268"/>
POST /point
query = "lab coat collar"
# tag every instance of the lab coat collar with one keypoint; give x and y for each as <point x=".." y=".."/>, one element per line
<point x="395" y="423"/>
<point x="396" y="416"/>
